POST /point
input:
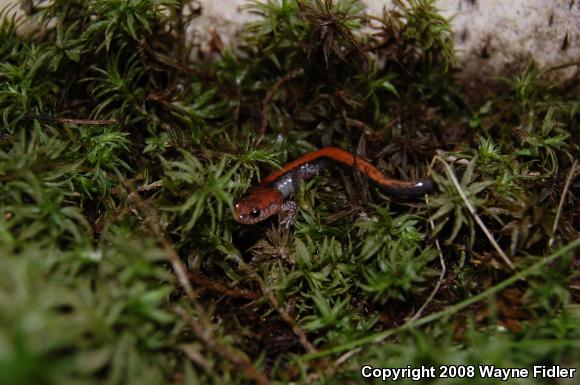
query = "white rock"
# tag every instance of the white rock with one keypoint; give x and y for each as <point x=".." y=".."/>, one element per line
<point x="492" y="36"/>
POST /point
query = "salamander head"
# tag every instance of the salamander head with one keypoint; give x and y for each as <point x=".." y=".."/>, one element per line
<point x="258" y="205"/>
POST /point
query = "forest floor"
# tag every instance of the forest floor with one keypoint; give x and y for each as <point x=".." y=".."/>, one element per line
<point x="121" y="160"/>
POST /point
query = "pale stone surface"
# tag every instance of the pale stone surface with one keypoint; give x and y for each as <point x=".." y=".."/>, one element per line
<point x="495" y="35"/>
<point x="221" y="19"/>
<point x="492" y="36"/>
<point x="12" y="8"/>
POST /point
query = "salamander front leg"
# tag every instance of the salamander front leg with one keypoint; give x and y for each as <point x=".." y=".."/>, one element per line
<point x="288" y="212"/>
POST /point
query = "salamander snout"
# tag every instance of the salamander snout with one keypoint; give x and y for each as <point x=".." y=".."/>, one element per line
<point x="245" y="212"/>
<point x="258" y="205"/>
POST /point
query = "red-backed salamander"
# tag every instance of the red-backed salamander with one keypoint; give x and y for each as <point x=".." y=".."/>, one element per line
<point x="268" y="197"/>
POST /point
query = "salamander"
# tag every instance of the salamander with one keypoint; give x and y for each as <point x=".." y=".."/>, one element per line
<point x="268" y="198"/>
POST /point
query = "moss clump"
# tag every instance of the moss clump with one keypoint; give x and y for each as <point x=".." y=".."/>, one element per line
<point x="120" y="160"/>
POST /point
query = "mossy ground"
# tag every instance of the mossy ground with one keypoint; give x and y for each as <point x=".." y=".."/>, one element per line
<point x="120" y="262"/>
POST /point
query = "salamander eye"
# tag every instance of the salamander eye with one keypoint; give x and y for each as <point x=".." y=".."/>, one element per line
<point x="255" y="213"/>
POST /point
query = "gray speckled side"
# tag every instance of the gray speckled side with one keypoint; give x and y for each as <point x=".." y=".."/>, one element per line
<point x="290" y="181"/>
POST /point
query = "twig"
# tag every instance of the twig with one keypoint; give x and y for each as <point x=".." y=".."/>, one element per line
<point x="561" y="205"/>
<point x="86" y="122"/>
<point x="342" y="359"/>
<point x="473" y="212"/>
<point x="196" y="357"/>
<point x="152" y="222"/>
<point x="270" y="95"/>
<point x="441" y="275"/>
<point x="381" y="336"/>
<point x="147" y="187"/>
<point x="237" y="359"/>
<point x="559" y="67"/>
<point x="151" y="186"/>
<point x="222" y="289"/>
<point x="203" y="333"/>
<point x="283" y="313"/>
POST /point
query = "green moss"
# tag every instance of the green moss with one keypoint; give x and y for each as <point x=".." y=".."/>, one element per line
<point x="104" y="219"/>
